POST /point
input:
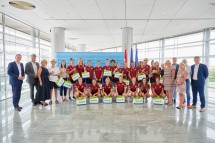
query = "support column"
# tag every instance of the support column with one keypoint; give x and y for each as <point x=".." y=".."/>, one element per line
<point x="162" y="45"/>
<point x="205" y="54"/>
<point x="81" y="48"/>
<point x="127" y="41"/>
<point x="57" y="40"/>
<point x="206" y="46"/>
<point x="33" y="37"/>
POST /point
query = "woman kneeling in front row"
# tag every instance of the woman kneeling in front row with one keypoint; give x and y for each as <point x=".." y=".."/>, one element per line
<point x="80" y="88"/>
<point x="107" y="88"/>
<point x="133" y="88"/>
<point x="144" y="89"/>
<point x="94" y="89"/>
<point x="120" y="88"/>
<point x="158" y="89"/>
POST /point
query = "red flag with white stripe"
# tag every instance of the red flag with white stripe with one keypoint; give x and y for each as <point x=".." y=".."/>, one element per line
<point x="125" y="56"/>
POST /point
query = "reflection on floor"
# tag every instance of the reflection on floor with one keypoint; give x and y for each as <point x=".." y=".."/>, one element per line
<point x="105" y="123"/>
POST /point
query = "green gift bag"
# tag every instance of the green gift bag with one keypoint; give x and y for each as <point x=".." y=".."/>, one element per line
<point x="60" y="82"/>
<point x="75" y="76"/>
<point x="67" y="84"/>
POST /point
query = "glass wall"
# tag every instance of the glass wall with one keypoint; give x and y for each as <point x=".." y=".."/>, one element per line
<point x="183" y="46"/>
<point x="211" y="81"/>
<point x="23" y="39"/>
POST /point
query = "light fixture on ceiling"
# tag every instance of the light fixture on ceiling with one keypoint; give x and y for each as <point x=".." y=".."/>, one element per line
<point x="73" y="38"/>
<point x="212" y="3"/>
<point x="22" y="5"/>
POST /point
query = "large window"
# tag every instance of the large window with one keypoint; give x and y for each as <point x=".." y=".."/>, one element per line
<point x="211" y="81"/>
<point x="150" y="50"/>
<point x="23" y="39"/>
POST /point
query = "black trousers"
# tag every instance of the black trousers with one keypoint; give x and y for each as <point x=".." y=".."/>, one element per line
<point x="63" y="90"/>
<point x="32" y="86"/>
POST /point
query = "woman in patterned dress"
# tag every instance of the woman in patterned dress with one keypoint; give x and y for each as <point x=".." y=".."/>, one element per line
<point x="168" y="79"/>
<point x="181" y="83"/>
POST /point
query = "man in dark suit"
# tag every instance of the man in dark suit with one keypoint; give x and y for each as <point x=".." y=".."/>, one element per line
<point x="199" y="73"/>
<point x="16" y="74"/>
<point x="31" y="69"/>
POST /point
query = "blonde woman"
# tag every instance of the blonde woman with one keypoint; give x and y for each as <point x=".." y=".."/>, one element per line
<point x="80" y="66"/>
<point x="155" y="72"/>
<point x="181" y="83"/>
<point x="169" y="74"/>
<point x="133" y="88"/>
<point x="44" y="85"/>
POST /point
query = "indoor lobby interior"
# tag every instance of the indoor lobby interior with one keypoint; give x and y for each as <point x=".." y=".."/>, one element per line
<point x="158" y="29"/>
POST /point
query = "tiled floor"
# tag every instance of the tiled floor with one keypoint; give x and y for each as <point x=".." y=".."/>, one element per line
<point x="106" y="123"/>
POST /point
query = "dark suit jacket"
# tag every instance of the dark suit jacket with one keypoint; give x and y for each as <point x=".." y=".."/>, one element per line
<point x="29" y="71"/>
<point x="202" y="74"/>
<point x="13" y="73"/>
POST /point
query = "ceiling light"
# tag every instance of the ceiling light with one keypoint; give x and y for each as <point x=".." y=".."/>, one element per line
<point x="22" y="5"/>
<point x="213" y="3"/>
<point x="73" y="38"/>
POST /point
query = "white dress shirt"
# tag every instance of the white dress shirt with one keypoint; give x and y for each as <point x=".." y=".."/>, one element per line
<point x="188" y="69"/>
<point x="34" y="67"/>
<point x="53" y="78"/>
<point x="19" y="68"/>
<point x="196" y="68"/>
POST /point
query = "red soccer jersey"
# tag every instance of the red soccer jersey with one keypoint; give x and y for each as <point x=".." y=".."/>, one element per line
<point x="107" y="88"/>
<point x="147" y="69"/>
<point x="154" y="75"/>
<point x="133" y="72"/>
<point x="90" y="70"/>
<point x="112" y="68"/>
<point x="80" y="86"/>
<point x="133" y="87"/>
<point x="94" y="88"/>
<point x="120" y="87"/>
<point x="80" y="69"/>
<point x="144" y="88"/>
<point x="98" y="72"/>
<point x="141" y="70"/>
<point x="158" y="88"/>
<point x="107" y="68"/>
<point x="119" y="70"/>
<point x="70" y="68"/>
<point x="125" y="73"/>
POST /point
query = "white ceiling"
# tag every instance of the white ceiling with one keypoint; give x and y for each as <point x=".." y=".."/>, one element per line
<point x="98" y="23"/>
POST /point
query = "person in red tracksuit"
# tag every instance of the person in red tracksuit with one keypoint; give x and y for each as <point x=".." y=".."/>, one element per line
<point x="80" y="88"/>
<point x="94" y="89"/>
<point x="71" y="69"/>
<point x="98" y="72"/>
<point x="107" y="88"/>
<point x="113" y="66"/>
<point x="117" y="69"/>
<point x="80" y="67"/>
<point x="125" y="70"/>
<point x="133" y="88"/>
<point x="132" y="71"/>
<point x="144" y="89"/>
<point x="107" y="67"/>
<point x="158" y="89"/>
<point x="120" y="88"/>
<point x="89" y="69"/>
<point x="146" y="68"/>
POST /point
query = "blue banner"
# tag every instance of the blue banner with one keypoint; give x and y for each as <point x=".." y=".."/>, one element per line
<point x="93" y="56"/>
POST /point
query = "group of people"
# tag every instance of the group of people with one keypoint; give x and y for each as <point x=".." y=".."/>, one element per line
<point x="175" y="80"/>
